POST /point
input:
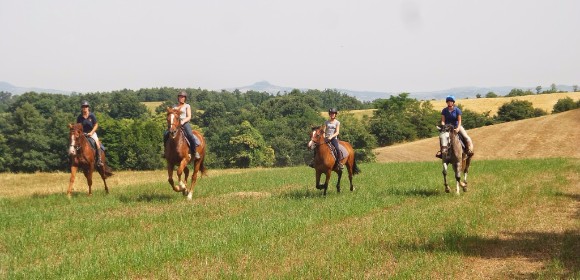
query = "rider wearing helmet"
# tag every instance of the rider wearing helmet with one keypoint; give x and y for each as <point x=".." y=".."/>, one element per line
<point x="90" y="126"/>
<point x="452" y="115"/>
<point x="331" y="131"/>
<point x="185" y="117"/>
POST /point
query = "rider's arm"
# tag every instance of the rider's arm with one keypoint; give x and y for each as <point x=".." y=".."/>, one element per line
<point x="336" y="132"/>
<point x="458" y="121"/>
<point x="442" y="119"/>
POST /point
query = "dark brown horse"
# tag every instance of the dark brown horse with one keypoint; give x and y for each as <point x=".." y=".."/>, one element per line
<point x="452" y="153"/>
<point x="177" y="153"/>
<point x="324" y="161"/>
<point x="82" y="156"/>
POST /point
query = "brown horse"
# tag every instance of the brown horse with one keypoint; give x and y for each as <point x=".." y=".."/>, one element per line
<point x="82" y="155"/>
<point x="324" y="161"/>
<point x="452" y="153"/>
<point x="177" y="153"/>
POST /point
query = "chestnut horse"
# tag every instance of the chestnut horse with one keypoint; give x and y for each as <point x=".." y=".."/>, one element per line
<point x="177" y="153"/>
<point x="82" y="155"/>
<point x="324" y="161"/>
<point x="452" y="153"/>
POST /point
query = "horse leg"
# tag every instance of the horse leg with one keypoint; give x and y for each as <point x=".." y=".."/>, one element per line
<point x="184" y="191"/>
<point x="180" y="169"/>
<point x="89" y="175"/>
<point x="339" y="172"/>
<point x="350" y="172"/>
<point x="457" y="170"/>
<point x="318" y="185"/>
<point x="465" y="171"/>
<point x="73" y="172"/>
<point x="102" y="173"/>
<point x="196" y="168"/>
<point x="445" y="177"/>
<point x="326" y="181"/>
<point x="170" y="177"/>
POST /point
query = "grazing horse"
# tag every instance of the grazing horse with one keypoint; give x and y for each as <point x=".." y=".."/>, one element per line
<point x="177" y="153"/>
<point x="452" y="153"/>
<point x="83" y="155"/>
<point x="324" y="161"/>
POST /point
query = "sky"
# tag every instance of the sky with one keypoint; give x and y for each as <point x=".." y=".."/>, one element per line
<point x="383" y="45"/>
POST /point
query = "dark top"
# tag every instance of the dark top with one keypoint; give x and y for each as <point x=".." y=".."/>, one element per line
<point x="87" y="123"/>
<point x="451" y="117"/>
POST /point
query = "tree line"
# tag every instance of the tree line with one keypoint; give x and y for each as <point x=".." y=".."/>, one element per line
<point x="241" y="129"/>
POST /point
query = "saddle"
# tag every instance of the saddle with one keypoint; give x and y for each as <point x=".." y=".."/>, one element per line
<point x="343" y="151"/>
<point x="93" y="144"/>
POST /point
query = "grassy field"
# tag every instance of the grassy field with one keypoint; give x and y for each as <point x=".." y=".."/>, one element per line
<point x="519" y="220"/>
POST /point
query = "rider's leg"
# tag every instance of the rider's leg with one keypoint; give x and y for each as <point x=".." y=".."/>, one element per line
<point x="193" y="141"/>
<point x="98" y="149"/>
<point x="338" y="153"/>
<point x="467" y="140"/>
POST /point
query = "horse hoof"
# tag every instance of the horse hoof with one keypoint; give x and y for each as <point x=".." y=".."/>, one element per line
<point x="447" y="190"/>
<point x="465" y="189"/>
<point x="320" y="187"/>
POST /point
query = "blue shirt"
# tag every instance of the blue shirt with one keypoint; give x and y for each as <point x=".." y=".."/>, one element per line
<point x="451" y="117"/>
<point x="87" y="123"/>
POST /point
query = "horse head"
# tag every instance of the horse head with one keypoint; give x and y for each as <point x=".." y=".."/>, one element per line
<point x="75" y="133"/>
<point x="173" y="122"/>
<point x="444" y="138"/>
<point x="316" y="137"/>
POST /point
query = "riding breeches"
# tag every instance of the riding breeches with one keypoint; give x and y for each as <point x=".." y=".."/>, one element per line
<point x="466" y="137"/>
<point x="190" y="136"/>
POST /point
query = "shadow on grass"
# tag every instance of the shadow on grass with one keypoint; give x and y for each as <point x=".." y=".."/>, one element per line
<point x="146" y="197"/>
<point x="536" y="246"/>
<point x="413" y="192"/>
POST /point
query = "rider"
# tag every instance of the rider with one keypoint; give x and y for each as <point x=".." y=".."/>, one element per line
<point x="185" y="117"/>
<point x="90" y="126"/>
<point x="331" y="131"/>
<point x="452" y="115"/>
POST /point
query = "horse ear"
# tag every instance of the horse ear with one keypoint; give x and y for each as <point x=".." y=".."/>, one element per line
<point x="438" y="127"/>
<point x="168" y="109"/>
<point x="70" y="125"/>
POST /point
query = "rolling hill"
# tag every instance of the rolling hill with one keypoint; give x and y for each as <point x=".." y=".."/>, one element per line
<point x="555" y="135"/>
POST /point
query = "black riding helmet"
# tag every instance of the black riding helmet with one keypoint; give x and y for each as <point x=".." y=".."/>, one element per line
<point x="332" y="110"/>
<point x="85" y="103"/>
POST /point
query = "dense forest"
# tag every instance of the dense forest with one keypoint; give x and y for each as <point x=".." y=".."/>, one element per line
<point x="241" y="129"/>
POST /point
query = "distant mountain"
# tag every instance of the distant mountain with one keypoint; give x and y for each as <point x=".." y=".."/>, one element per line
<point x="460" y="92"/>
<point x="15" y="90"/>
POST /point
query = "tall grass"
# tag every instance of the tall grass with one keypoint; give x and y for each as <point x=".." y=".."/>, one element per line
<point x="273" y="223"/>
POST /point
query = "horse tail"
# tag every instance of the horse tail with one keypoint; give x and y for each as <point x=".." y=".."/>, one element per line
<point x="202" y="168"/>
<point x="107" y="171"/>
<point x="355" y="169"/>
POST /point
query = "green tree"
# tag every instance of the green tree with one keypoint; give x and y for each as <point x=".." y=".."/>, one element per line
<point x="515" y="110"/>
<point x="538" y="89"/>
<point x="249" y="148"/>
<point x="490" y="94"/>
<point x="28" y="141"/>
<point x="564" y="104"/>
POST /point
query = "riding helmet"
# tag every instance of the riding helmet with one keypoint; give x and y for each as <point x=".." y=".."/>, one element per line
<point x="450" y="98"/>
<point x="332" y="110"/>
<point x="85" y="103"/>
<point x="182" y="93"/>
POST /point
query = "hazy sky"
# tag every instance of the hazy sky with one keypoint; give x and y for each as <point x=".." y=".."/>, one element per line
<point x="382" y="45"/>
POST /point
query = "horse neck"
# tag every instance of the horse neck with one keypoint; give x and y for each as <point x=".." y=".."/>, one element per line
<point x="455" y="144"/>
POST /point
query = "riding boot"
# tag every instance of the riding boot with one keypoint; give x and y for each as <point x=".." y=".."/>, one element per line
<point x="339" y="165"/>
<point x="98" y="154"/>
<point x="469" y="148"/>
<point x="195" y="153"/>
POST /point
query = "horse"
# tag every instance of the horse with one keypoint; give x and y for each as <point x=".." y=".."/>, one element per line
<point x="324" y="161"/>
<point x="452" y="153"/>
<point x="82" y="155"/>
<point x="177" y="153"/>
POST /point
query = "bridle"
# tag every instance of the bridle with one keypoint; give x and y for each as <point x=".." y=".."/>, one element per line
<point x="314" y="139"/>
<point x="173" y="124"/>
<point x="75" y="144"/>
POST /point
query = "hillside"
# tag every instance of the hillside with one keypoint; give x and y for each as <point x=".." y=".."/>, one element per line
<point x="480" y="105"/>
<point x="554" y="135"/>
